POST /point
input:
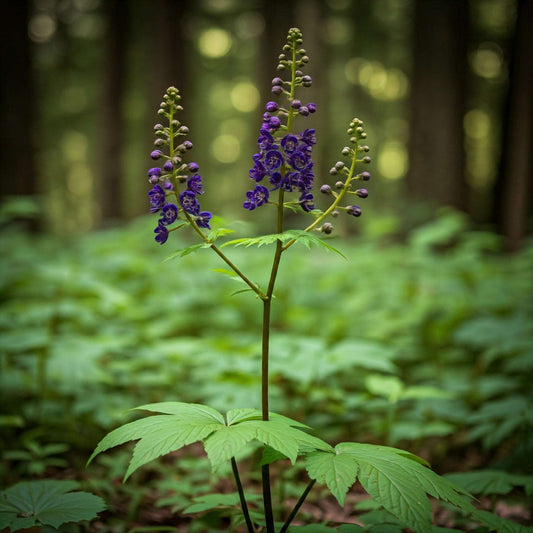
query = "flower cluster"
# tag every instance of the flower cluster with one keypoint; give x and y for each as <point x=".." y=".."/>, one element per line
<point x="284" y="158"/>
<point x="175" y="174"/>
<point x="357" y="134"/>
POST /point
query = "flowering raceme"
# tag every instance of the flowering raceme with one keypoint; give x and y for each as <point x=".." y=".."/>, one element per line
<point x="177" y="180"/>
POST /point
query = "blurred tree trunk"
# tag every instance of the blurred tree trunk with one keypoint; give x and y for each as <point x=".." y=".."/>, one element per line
<point x="17" y="127"/>
<point x="438" y="96"/>
<point x="516" y="168"/>
<point x="111" y="170"/>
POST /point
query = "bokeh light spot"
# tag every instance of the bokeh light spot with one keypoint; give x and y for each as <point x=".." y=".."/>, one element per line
<point x="392" y="160"/>
<point x="41" y="28"/>
<point x="477" y="124"/>
<point x="226" y="148"/>
<point x="486" y="61"/>
<point x="214" y="43"/>
<point x="244" y="97"/>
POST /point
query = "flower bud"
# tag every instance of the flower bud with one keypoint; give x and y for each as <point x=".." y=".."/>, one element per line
<point x="159" y="142"/>
<point x="188" y="145"/>
<point x="346" y="151"/>
<point x="335" y="213"/>
<point x="184" y="129"/>
<point x="193" y="167"/>
<point x="168" y="166"/>
<point x="304" y="111"/>
<point x="296" y="104"/>
<point x="325" y="189"/>
<point x="271" y="106"/>
<point x="362" y="193"/>
<point x="367" y="159"/>
<point x="307" y="81"/>
<point x="333" y="171"/>
<point x="354" y="210"/>
<point x="339" y="165"/>
<point x="277" y="89"/>
<point x="156" y="154"/>
<point x="364" y="148"/>
<point x="339" y="185"/>
<point x="158" y="127"/>
<point x="326" y="228"/>
<point x="364" y="176"/>
<point x="311" y="106"/>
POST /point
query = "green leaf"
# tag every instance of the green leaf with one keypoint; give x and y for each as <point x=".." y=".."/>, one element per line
<point x="490" y="481"/>
<point x="184" y="410"/>
<point x="47" y="502"/>
<point x="338" y="472"/>
<point x="212" y="501"/>
<point x="495" y="523"/>
<point x="304" y="237"/>
<point x="182" y="252"/>
<point x="234" y="416"/>
<point x="227" y="442"/>
<point x="399" y="482"/>
<point x="160" y="434"/>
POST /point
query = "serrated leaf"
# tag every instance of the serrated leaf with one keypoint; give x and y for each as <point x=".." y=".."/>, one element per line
<point x="182" y="252"/>
<point x="271" y="456"/>
<point x="47" y="502"/>
<point x="399" y="483"/>
<point x="170" y="435"/>
<point x="486" y="482"/>
<point x="338" y="472"/>
<point x="184" y="410"/>
<point x="234" y="416"/>
<point x="495" y="523"/>
<point x="227" y="442"/>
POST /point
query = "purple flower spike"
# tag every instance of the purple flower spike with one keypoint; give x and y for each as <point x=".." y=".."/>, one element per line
<point x="189" y="202"/>
<point x="169" y="214"/>
<point x="194" y="167"/>
<point x="157" y="198"/>
<point x="271" y="106"/>
<point x="203" y="219"/>
<point x="194" y="184"/>
<point x="161" y="234"/>
<point x="156" y="154"/>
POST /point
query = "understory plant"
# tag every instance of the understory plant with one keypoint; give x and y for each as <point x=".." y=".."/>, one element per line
<point x="282" y="180"/>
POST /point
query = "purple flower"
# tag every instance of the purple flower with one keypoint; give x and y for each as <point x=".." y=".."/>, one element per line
<point x="308" y="137"/>
<point x="202" y="220"/>
<point x="168" y="186"/>
<point x="289" y="143"/>
<point x="296" y="104"/>
<point x="362" y="193"/>
<point x="275" y="179"/>
<point x="256" y="198"/>
<point x="189" y="202"/>
<point x="156" y="154"/>
<point x="265" y="139"/>
<point x="168" y="166"/>
<point x="193" y="167"/>
<point x="194" y="184"/>
<point x="311" y="107"/>
<point x="157" y="198"/>
<point x="154" y="173"/>
<point x="298" y="160"/>
<point x="258" y="172"/>
<point x="304" y="111"/>
<point x="271" y="106"/>
<point x="273" y="160"/>
<point x="161" y="234"/>
<point x="306" y="201"/>
<point x="169" y="214"/>
<point x="274" y="123"/>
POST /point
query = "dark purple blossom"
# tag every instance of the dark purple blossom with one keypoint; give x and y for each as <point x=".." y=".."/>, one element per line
<point x="325" y="189"/>
<point x="189" y="202"/>
<point x="169" y="214"/>
<point x="312" y="107"/>
<point x="274" y="123"/>
<point x="289" y="143"/>
<point x="203" y="218"/>
<point x="258" y="172"/>
<point x="362" y="193"/>
<point x="157" y="198"/>
<point x="168" y="186"/>
<point x="193" y="167"/>
<point x="194" y="184"/>
<point x="275" y="178"/>
<point x="308" y="137"/>
<point x="161" y="234"/>
<point x="296" y="104"/>
<point x="273" y="160"/>
<point x="154" y="173"/>
<point x="306" y="201"/>
<point x="168" y="166"/>
<point x="256" y="198"/>
<point x="271" y="106"/>
<point x="156" y="154"/>
<point x="298" y="160"/>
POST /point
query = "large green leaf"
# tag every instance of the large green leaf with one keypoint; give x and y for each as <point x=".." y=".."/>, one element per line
<point x="47" y="502"/>
<point x="227" y="442"/>
<point x="160" y="434"/>
<point x="338" y="472"/>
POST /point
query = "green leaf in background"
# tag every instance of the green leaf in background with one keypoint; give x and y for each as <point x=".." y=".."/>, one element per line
<point x="486" y="482"/>
<point x="47" y="502"/>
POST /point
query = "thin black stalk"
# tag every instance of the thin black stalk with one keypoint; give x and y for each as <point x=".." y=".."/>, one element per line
<point x="267" y="499"/>
<point x="297" y="506"/>
<point x="244" y="505"/>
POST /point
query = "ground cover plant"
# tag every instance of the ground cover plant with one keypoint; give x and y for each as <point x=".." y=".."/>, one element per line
<point x="392" y="396"/>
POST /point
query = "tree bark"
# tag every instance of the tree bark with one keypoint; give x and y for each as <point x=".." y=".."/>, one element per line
<point x="517" y="160"/>
<point x="17" y="127"/>
<point x="111" y="171"/>
<point x="438" y="96"/>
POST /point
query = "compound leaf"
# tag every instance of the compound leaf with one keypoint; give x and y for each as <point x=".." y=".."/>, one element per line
<point x="47" y="502"/>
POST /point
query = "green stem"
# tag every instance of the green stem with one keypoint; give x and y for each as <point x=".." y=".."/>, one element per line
<point x="297" y="506"/>
<point x="244" y="505"/>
